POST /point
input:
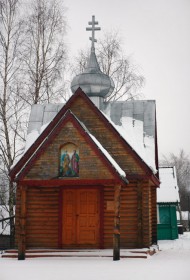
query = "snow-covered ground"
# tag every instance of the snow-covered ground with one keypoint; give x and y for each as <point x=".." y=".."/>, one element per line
<point x="172" y="262"/>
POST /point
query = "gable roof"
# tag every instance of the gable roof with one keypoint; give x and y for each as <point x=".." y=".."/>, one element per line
<point x="134" y="120"/>
<point x="131" y="131"/>
<point x="96" y="146"/>
<point x="137" y="119"/>
<point x="168" y="191"/>
<point x="47" y="130"/>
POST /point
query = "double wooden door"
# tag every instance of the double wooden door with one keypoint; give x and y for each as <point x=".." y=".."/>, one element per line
<point x="81" y="218"/>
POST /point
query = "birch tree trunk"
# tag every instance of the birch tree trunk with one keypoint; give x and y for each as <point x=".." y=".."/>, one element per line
<point x="11" y="106"/>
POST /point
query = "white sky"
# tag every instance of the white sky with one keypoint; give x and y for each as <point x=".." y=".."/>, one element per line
<point x="157" y="35"/>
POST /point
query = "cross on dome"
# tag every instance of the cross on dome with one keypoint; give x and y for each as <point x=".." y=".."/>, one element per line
<point x="93" y="29"/>
<point x="92" y="80"/>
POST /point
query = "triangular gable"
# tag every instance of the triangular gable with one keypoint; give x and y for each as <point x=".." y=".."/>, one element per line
<point x="78" y="93"/>
<point x="44" y="134"/>
<point x="113" y="167"/>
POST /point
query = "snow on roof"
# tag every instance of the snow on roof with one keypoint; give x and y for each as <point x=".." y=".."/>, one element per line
<point x="107" y="155"/>
<point x="33" y="135"/>
<point x="132" y="132"/>
<point x="142" y="110"/>
<point x="41" y="115"/>
<point x="104" y="151"/>
<point x="168" y="191"/>
<point x="134" y="121"/>
<point x="30" y="139"/>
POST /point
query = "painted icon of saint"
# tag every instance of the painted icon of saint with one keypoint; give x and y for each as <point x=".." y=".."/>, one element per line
<point x="65" y="159"/>
<point x="75" y="163"/>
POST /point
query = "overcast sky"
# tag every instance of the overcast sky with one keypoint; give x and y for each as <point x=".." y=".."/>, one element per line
<point x="157" y="35"/>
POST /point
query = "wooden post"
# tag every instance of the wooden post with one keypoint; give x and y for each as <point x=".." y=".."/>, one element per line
<point x="154" y="214"/>
<point x="139" y="214"/>
<point x="116" y="234"/>
<point x="146" y="217"/>
<point x="22" y="225"/>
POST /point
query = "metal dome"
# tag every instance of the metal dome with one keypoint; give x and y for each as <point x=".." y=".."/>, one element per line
<point x="92" y="81"/>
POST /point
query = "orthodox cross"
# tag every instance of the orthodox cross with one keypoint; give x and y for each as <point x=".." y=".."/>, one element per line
<point x="93" y="29"/>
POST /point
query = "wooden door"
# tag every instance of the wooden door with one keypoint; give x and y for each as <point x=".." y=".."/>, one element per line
<point x="81" y="218"/>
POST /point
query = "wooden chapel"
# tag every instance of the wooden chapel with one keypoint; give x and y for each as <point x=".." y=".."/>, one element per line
<point x="81" y="184"/>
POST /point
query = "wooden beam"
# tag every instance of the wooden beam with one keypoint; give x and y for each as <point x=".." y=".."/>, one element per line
<point x="139" y="214"/>
<point x="22" y="225"/>
<point x="116" y="234"/>
<point x="154" y="214"/>
<point x="65" y="182"/>
<point x="146" y="216"/>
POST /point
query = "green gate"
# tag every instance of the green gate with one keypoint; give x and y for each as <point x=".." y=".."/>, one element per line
<point x="167" y="227"/>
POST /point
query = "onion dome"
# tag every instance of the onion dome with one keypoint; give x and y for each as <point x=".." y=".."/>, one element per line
<point x="93" y="81"/>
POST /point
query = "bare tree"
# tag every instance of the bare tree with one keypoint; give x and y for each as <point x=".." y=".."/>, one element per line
<point x="32" y="57"/>
<point x="182" y="164"/>
<point x="115" y="64"/>
<point x="44" y="52"/>
<point x="11" y="106"/>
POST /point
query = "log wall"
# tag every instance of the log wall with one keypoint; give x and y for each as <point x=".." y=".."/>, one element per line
<point x="42" y="212"/>
<point x="42" y="220"/>
<point x="42" y="217"/>
<point x="136" y="216"/>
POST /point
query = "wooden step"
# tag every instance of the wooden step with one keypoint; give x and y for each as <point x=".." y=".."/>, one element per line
<point x="65" y="253"/>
